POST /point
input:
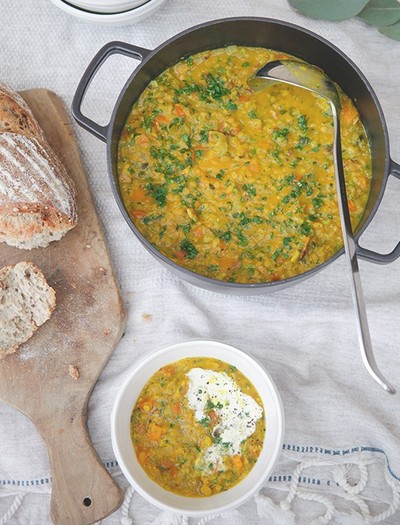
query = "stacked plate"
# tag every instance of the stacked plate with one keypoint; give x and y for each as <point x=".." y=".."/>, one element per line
<point x="110" y="12"/>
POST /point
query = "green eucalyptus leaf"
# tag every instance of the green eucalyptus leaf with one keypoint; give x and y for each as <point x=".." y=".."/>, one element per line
<point x="329" y="9"/>
<point x="392" y="31"/>
<point x="381" y="12"/>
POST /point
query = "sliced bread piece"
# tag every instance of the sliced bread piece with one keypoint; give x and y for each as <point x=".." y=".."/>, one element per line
<point x="26" y="302"/>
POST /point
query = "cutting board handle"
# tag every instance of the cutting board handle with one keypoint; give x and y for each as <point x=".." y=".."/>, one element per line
<point x="83" y="490"/>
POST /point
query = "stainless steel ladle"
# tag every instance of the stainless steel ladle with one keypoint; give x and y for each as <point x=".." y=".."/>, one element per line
<point x="313" y="79"/>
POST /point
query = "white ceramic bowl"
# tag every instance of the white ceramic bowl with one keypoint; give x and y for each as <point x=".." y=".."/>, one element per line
<point x="112" y="19"/>
<point x="107" y="6"/>
<point x="123" y="448"/>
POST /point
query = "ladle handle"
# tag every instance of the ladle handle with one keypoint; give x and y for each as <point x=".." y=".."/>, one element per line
<point x="364" y="336"/>
<point x="376" y="257"/>
<point x="112" y="48"/>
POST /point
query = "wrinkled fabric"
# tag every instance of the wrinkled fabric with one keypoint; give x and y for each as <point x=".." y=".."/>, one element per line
<point x="305" y="335"/>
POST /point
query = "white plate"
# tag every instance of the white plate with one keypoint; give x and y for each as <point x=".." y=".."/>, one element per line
<point x="116" y="19"/>
<point x="123" y="448"/>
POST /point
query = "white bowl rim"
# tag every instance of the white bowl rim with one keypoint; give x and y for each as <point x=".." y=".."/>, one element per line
<point x="105" y="3"/>
<point x="98" y="8"/>
<point x="145" y="360"/>
<point x="131" y="14"/>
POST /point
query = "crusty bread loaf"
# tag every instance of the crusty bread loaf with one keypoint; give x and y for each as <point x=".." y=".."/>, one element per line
<point x="26" y="302"/>
<point x="37" y="197"/>
<point x="15" y="115"/>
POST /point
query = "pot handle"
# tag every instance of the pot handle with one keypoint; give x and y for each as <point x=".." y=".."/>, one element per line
<point x="106" y="51"/>
<point x="382" y="258"/>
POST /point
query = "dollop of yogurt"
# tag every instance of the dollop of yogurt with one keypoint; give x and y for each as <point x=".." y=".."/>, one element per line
<point x="237" y="413"/>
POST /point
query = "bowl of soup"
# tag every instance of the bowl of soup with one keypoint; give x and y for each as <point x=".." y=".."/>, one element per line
<point x="234" y="190"/>
<point x="197" y="427"/>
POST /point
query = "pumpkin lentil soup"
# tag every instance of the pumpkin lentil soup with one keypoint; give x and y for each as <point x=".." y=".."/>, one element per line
<point x="236" y="185"/>
<point x="198" y="427"/>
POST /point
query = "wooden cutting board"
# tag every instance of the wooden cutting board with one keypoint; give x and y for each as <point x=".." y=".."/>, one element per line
<point x="85" y="327"/>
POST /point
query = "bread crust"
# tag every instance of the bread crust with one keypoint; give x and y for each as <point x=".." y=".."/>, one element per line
<point x="37" y="197"/>
<point x="32" y="225"/>
<point x="16" y="116"/>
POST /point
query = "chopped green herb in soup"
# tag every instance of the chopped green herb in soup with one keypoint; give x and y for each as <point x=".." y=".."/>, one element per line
<point x="235" y="185"/>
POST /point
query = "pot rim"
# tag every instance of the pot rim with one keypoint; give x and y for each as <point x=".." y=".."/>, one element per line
<point x="209" y="281"/>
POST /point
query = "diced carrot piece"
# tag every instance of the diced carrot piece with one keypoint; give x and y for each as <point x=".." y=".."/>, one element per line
<point x="198" y="232"/>
<point x="237" y="462"/>
<point x="244" y="98"/>
<point x="180" y="254"/>
<point x="168" y="370"/>
<point x="213" y="417"/>
<point x="176" y="408"/>
<point x="161" y="119"/>
<point x="139" y="195"/>
<point x="352" y="206"/>
<point x="138" y="214"/>
<point x="227" y="262"/>
<point x="179" y="110"/>
<point x="146" y="404"/>
<point x="154" y="432"/>
<point x="143" y="139"/>
<point x="142" y="456"/>
<point x="173" y="471"/>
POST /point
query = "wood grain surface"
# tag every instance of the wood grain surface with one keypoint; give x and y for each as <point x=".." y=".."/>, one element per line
<point x="84" y="329"/>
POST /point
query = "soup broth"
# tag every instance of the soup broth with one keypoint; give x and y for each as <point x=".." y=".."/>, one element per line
<point x="235" y="185"/>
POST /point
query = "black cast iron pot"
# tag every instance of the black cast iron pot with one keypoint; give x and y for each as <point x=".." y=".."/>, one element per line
<point x="260" y="32"/>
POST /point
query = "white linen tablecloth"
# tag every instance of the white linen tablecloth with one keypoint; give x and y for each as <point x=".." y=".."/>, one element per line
<point x="342" y="439"/>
